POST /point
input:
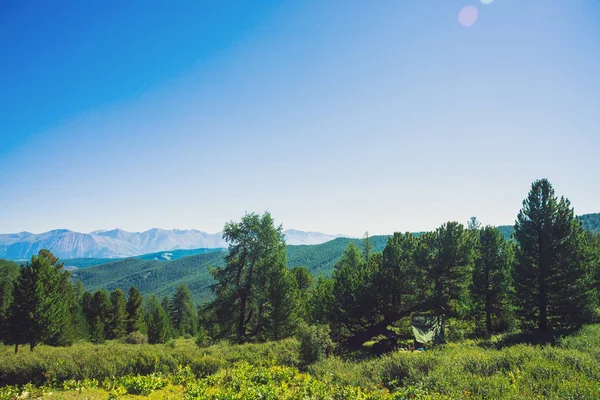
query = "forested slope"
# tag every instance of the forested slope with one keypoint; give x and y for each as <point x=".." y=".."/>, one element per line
<point x="591" y="222"/>
<point x="161" y="277"/>
<point x="153" y="277"/>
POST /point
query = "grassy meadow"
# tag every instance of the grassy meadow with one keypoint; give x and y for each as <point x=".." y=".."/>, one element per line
<point x="497" y="368"/>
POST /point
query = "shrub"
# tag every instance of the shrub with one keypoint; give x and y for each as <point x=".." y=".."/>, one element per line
<point x="202" y="339"/>
<point x="315" y="343"/>
<point x="138" y="385"/>
<point x="136" y="338"/>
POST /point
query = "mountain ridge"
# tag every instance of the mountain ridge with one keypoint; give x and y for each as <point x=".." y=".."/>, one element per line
<point x="118" y="243"/>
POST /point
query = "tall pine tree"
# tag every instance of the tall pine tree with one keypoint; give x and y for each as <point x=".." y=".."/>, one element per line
<point x="183" y="312"/>
<point x="553" y="274"/>
<point x="134" y="310"/>
<point x="117" y="323"/>
<point x="492" y="280"/>
<point x="157" y="321"/>
<point x="38" y="312"/>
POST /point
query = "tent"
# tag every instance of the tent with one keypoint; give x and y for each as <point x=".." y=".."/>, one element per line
<point x="428" y="328"/>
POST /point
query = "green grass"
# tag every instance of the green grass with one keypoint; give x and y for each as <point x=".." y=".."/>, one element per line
<point x="569" y="369"/>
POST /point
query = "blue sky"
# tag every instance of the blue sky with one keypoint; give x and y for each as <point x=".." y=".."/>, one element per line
<point x="337" y="116"/>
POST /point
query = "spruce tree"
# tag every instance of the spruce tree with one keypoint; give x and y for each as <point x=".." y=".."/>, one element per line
<point x="445" y="260"/>
<point x="352" y="305"/>
<point x="9" y="271"/>
<point x="134" y="310"/>
<point x="65" y="333"/>
<point x="38" y="311"/>
<point x="87" y="300"/>
<point x="97" y="331"/>
<point x="168" y="307"/>
<point x="183" y="312"/>
<point x="117" y="321"/>
<point x="157" y="321"/>
<point x="304" y="285"/>
<point x="281" y="316"/>
<point x="553" y="273"/>
<point x="492" y="280"/>
<point x="100" y="313"/>
<point x="321" y="301"/>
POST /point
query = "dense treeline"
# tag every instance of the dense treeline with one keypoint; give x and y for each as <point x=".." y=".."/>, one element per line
<point x="545" y="277"/>
<point x="40" y="304"/>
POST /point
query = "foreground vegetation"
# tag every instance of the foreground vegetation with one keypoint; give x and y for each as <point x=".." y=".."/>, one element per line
<point x="568" y="368"/>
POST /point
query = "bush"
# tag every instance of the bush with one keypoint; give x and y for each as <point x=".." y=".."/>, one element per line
<point x="136" y="338"/>
<point x="315" y="344"/>
<point x="55" y="365"/>
<point x="202" y="339"/>
<point x="138" y="385"/>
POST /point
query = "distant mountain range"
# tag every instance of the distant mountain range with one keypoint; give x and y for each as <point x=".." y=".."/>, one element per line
<point x="118" y="243"/>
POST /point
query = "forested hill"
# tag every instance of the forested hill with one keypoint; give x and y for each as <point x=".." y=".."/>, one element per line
<point x="162" y="277"/>
<point x="591" y="222"/>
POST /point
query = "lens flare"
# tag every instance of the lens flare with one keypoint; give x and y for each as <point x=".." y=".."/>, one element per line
<point x="467" y="16"/>
<point x="487" y="1"/>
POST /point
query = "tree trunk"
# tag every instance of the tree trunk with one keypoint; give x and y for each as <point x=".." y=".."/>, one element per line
<point x="488" y="313"/>
<point x="244" y="300"/>
<point x="543" y="304"/>
<point x="380" y="328"/>
<point x="241" y="330"/>
<point x="543" y="290"/>
<point x="16" y="348"/>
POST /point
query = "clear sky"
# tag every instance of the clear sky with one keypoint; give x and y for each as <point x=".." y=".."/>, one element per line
<point x="337" y="116"/>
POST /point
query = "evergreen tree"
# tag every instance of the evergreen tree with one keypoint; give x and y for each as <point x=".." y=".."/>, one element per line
<point x="157" y="322"/>
<point x="392" y="289"/>
<point x="492" y="280"/>
<point x="117" y="322"/>
<point x="256" y="249"/>
<point x="100" y="312"/>
<point x="445" y="259"/>
<point x="431" y="273"/>
<point x="38" y="312"/>
<point x="168" y="307"/>
<point x="78" y="290"/>
<point x="184" y="315"/>
<point x="473" y="224"/>
<point x="65" y="333"/>
<point x="303" y="284"/>
<point x="321" y="301"/>
<point x="353" y="301"/>
<point x="367" y="246"/>
<point x="553" y="274"/>
<point x="97" y="331"/>
<point x="134" y="310"/>
<point x="87" y="300"/>
<point x="593" y="240"/>
<point x="9" y="271"/>
<point x="283" y="303"/>
<point x="304" y="280"/>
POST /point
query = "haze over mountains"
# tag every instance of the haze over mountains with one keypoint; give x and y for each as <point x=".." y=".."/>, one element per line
<point x="118" y="243"/>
